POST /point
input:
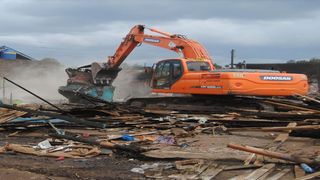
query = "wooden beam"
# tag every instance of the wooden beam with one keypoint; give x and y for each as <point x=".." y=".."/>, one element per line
<point x="307" y="97"/>
<point x="280" y="174"/>
<point x="292" y="106"/>
<point x="255" y="175"/>
<point x="272" y="154"/>
<point x="284" y="136"/>
<point x="273" y="129"/>
<point x="310" y="176"/>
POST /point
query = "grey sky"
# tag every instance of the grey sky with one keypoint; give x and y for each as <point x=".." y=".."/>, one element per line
<point x="77" y="32"/>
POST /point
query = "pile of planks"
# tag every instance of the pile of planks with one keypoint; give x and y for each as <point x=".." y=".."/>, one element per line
<point x="7" y="114"/>
<point x="205" y="135"/>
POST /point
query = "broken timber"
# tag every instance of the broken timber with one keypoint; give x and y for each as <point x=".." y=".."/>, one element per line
<point x="57" y="116"/>
<point x="272" y="154"/>
<point x="273" y="129"/>
<point x="104" y="144"/>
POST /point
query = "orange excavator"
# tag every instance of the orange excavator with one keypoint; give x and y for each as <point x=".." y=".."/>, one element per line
<point x="192" y="73"/>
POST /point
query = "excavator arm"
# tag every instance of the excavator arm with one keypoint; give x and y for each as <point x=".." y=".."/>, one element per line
<point x="104" y="74"/>
<point x="187" y="48"/>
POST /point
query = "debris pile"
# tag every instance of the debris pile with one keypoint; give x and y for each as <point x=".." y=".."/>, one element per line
<point x="199" y="137"/>
<point x="265" y="137"/>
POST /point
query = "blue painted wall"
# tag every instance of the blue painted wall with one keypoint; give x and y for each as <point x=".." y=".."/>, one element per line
<point x="7" y="53"/>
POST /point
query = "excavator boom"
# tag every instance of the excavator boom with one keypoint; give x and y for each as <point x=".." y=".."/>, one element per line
<point x="189" y="49"/>
<point x="105" y="73"/>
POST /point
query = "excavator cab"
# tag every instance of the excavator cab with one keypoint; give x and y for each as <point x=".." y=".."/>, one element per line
<point x="166" y="73"/>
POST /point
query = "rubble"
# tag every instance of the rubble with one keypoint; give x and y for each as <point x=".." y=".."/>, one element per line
<point x="174" y="139"/>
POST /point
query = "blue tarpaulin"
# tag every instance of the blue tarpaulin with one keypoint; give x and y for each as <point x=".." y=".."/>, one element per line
<point x="38" y="120"/>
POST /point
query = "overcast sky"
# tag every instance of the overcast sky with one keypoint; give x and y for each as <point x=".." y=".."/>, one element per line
<point x="77" y="32"/>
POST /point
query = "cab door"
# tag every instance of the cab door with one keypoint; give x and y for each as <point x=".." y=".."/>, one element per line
<point x="166" y="73"/>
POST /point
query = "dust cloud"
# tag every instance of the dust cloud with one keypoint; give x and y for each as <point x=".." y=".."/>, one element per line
<point x="40" y="77"/>
<point x="132" y="81"/>
<point x="45" y="76"/>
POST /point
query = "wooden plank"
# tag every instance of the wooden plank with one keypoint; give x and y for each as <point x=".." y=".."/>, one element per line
<point x="162" y="154"/>
<point x="240" y="167"/>
<point x="277" y="142"/>
<point x="310" y="176"/>
<point x="284" y="136"/>
<point x="188" y="164"/>
<point x="255" y="175"/>
<point x="298" y="171"/>
<point x="239" y="177"/>
<point x="7" y="114"/>
<point x="292" y="106"/>
<point x="250" y="159"/>
<point x="273" y="154"/>
<point x="177" y="154"/>
<point x="307" y="97"/>
<point x="274" y="129"/>
<point x="265" y="175"/>
<point x="212" y="171"/>
<point x="197" y="170"/>
<point x="280" y="174"/>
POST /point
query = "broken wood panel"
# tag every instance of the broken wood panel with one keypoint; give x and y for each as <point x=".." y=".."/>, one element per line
<point x="292" y="106"/>
<point x="212" y="171"/>
<point x="309" y="98"/>
<point x="280" y="174"/>
<point x="163" y="154"/>
<point x="272" y="154"/>
<point x="239" y="177"/>
<point x="7" y="114"/>
<point x="284" y="136"/>
<point x="257" y="174"/>
<point x="240" y="167"/>
<point x="298" y="171"/>
<point x="29" y="150"/>
<point x="310" y="176"/>
<point x="274" y="129"/>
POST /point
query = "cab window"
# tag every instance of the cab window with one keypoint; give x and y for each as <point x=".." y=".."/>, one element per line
<point x="198" y="66"/>
<point x="158" y="70"/>
<point x="177" y="70"/>
<point x="167" y="73"/>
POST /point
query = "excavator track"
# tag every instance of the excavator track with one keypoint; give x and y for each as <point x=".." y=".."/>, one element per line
<point x="223" y="104"/>
<point x="198" y="103"/>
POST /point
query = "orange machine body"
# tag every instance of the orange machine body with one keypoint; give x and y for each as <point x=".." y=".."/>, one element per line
<point x="236" y="82"/>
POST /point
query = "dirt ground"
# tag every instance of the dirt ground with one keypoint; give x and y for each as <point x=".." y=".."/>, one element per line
<point x="30" y="167"/>
<point x="118" y="166"/>
<point x="15" y="166"/>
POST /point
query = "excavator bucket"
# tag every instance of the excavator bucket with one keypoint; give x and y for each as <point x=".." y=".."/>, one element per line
<point x="77" y="93"/>
<point x="89" y="82"/>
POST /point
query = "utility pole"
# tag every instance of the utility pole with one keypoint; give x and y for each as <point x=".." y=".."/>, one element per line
<point x="11" y="100"/>
<point x="232" y="58"/>
<point x="3" y="90"/>
<point x="318" y="78"/>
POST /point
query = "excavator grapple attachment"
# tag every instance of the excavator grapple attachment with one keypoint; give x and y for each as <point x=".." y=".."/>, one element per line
<point x="91" y="81"/>
<point x="77" y="93"/>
